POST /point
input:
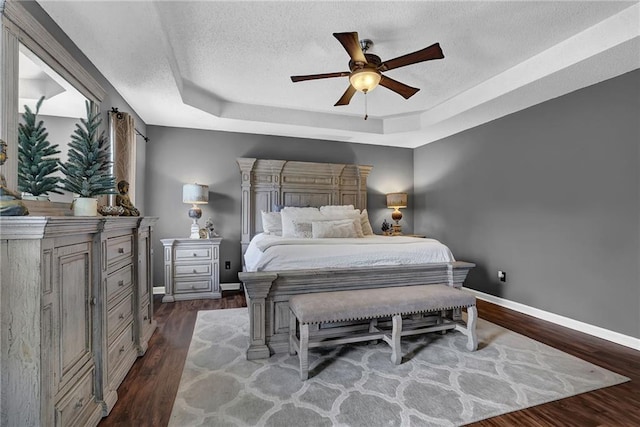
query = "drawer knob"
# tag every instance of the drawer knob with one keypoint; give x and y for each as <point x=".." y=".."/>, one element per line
<point x="121" y="349"/>
<point x="120" y="282"/>
<point x="195" y="254"/>
<point x="146" y="317"/>
<point x="195" y="271"/>
<point x="193" y="287"/>
<point x="80" y="403"/>
<point x="121" y="316"/>
<point x="120" y="250"/>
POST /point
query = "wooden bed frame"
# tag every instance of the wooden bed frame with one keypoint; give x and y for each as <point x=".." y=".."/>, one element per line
<point x="266" y="183"/>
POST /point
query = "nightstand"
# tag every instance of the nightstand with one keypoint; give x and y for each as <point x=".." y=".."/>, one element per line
<point x="421" y="236"/>
<point x="191" y="269"/>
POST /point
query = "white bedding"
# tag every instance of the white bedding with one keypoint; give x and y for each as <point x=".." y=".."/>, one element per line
<point x="273" y="253"/>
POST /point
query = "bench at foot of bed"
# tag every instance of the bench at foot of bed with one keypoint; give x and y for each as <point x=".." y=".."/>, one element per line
<point x="373" y="304"/>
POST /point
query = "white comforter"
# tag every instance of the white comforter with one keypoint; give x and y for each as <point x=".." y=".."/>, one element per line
<point x="273" y="253"/>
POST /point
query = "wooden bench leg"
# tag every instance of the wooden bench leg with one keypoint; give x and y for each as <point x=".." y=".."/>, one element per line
<point x="303" y="352"/>
<point x="293" y="323"/>
<point x="472" y="319"/>
<point x="396" y="334"/>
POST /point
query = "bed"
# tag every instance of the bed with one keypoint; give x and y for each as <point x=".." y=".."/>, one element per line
<point x="268" y="283"/>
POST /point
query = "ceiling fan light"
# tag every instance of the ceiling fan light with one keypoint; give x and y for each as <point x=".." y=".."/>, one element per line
<point x="365" y="79"/>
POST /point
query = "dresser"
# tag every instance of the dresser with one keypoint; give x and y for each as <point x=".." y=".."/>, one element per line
<point x="191" y="269"/>
<point x="74" y="294"/>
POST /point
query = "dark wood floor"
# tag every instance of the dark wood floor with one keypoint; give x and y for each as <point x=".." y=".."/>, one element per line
<point x="146" y="396"/>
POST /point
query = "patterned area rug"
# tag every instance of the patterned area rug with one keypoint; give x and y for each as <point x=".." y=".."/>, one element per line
<point x="439" y="382"/>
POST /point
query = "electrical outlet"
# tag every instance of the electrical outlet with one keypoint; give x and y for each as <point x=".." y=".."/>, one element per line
<point x="502" y="276"/>
<point x="227" y="265"/>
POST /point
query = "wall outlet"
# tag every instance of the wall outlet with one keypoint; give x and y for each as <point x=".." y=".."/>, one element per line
<point x="227" y="265"/>
<point x="502" y="276"/>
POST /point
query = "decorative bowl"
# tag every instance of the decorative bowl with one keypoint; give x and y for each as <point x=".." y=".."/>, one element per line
<point x="111" y="210"/>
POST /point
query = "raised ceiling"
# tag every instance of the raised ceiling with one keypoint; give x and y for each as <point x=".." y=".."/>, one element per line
<point x="226" y="65"/>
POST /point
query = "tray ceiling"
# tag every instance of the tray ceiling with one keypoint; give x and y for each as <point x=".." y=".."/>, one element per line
<point x="226" y="65"/>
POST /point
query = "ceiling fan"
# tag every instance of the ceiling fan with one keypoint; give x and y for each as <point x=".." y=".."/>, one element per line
<point x="367" y="68"/>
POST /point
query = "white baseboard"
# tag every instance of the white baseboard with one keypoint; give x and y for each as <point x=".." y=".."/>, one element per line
<point x="576" y="325"/>
<point x="229" y="286"/>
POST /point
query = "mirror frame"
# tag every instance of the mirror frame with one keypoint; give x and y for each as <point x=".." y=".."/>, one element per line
<point x="20" y="27"/>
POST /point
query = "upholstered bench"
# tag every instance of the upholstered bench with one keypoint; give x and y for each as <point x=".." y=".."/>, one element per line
<point x="373" y="304"/>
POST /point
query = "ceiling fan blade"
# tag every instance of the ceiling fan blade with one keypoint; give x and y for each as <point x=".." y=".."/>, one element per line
<point x="346" y="96"/>
<point x="319" y="76"/>
<point x="351" y="44"/>
<point x="426" y="54"/>
<point x="400" y="88"/>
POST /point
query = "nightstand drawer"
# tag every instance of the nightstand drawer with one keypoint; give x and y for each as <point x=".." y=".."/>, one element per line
<point x="193" y="253"/>
<point x="183" y="286"/>
<point x="119" y="316"/>
<point x="193" y="269"/>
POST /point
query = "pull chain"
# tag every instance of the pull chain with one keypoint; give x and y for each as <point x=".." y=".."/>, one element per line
<point x="366" y="114"/>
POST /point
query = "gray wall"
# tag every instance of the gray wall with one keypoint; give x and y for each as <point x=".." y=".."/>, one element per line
<point x="112" y="98"/>
<point x="551" y="195"/>
<point x="178" y="156"/>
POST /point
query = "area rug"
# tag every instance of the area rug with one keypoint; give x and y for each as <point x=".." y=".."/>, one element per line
<point x="439" y="383"/>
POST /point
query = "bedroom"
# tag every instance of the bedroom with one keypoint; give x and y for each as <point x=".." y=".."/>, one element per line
<point x="548" y="194"/>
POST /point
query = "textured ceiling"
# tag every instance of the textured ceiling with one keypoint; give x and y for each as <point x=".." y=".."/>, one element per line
<point x="226" y="65"/>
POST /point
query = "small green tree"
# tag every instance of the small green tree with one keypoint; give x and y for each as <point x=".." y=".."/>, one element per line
<point x="87" y="172"/>
<point x="35" y="164"/>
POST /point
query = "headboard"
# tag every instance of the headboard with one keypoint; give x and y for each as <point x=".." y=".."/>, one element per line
<point x="266" y="183"/>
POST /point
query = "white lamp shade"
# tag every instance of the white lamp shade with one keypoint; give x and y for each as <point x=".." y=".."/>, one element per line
<point x="197" y="194"/>
<point x="397" y="200"/>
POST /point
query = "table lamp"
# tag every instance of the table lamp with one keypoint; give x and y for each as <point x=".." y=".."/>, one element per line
<point x="396" y="201"/>
<point x="196" y="194"/>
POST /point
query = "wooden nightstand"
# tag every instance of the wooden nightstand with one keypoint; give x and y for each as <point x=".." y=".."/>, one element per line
<point x="191" y="269"/>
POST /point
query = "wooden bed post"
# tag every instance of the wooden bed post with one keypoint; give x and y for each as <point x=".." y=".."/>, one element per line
<point x="256" y="287"/>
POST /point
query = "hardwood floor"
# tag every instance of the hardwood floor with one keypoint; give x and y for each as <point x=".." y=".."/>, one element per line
<point x="146" y="396"/>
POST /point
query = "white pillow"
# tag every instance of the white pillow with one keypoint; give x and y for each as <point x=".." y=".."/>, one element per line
<point x="272" y="223"/>
<point x="339" y="214"/>
<point x="365" y="224"/>
<point x="332" y="208"/>
<point x="289" y="214"/>
<point x="333" y="229"/>
<point x="302" y="229"/>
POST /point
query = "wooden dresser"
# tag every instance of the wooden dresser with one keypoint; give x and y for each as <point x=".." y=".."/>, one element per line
<point x="76" y="310"/>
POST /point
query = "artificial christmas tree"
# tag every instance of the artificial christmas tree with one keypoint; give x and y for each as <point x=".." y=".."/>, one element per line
<point x="87" y="172"/>
<point x="35" y="161"/>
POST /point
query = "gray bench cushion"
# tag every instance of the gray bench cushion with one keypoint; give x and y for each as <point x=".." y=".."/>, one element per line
<point x="381" y="302"/>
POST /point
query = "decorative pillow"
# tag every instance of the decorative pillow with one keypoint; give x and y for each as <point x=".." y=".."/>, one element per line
<point x="272" y="223"/>
<point x="302" y="229"/>
<point x="365" y="224"/>
<point x="289" y="214"/>
<point x="332" y="208"/>
<point x="333" y="229"/>
<point x="353" y="215"/>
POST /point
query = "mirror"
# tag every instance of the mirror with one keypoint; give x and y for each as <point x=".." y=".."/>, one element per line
<point x="31" y="54"/>
<point x="60" y="110"/>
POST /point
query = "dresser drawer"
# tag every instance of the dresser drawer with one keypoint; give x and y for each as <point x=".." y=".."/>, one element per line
<point x="183" y="286"/>
<point x="193" y="253"/>
<point x="120" y="348"/>
<point x="118" y="316"/>
<point x="118" y="249"/>
<point x="79" y="399"/>
<point x="119" y="281"/>
<point x="193" y="269"/>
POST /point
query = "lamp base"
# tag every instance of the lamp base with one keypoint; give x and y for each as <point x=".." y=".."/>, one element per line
<point x="397" y="230"/>
<point x="195" y="230"/>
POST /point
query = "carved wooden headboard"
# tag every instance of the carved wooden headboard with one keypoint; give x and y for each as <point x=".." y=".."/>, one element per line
<point x="266" y="183"/>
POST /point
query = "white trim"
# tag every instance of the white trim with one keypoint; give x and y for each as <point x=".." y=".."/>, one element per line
<point x="576" y="325"/>
<point x="158" y="290"/>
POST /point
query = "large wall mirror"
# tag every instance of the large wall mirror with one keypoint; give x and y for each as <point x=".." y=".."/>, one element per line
<point x="34" y="64"/>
